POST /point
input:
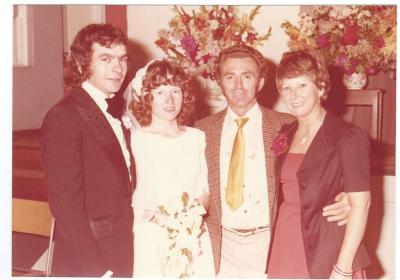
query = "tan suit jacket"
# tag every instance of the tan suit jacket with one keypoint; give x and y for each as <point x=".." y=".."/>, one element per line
<point x="212" y="126"/>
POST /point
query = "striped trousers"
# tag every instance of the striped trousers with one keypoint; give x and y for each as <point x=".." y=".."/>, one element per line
<point x="244" y="256"/>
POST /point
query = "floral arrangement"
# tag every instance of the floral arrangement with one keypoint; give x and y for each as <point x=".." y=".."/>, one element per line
<point x="182" y="219"/>
<point x="357" y="38"/>
<point x="195" y="39"/>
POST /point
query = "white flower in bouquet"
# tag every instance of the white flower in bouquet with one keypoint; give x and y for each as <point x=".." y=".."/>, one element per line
<point x="176" y="264"/>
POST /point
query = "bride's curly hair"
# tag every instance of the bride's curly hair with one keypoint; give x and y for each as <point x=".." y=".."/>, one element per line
<point x="163" y="72"/>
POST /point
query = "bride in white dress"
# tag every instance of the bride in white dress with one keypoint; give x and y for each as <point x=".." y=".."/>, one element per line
<point x="170" y="237"/>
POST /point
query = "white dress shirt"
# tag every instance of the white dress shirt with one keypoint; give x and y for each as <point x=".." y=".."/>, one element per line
<point x="254" y="212"/>
<point x="100" y="99"/>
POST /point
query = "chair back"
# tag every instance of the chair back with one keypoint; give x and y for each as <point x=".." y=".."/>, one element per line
<point x="367" y="98"/>
<point x="34" y="217"/>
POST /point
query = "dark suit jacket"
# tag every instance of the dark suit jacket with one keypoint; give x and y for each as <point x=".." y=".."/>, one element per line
<point x="88" y="188"/>
<point x="337" y="160"/>
<point x="212" y="126"/>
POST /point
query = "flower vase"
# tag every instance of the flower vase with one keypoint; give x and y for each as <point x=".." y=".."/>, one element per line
<point x="211" y="88"/>
<point x="355" y="80"/>
<point x="215" y="99"/>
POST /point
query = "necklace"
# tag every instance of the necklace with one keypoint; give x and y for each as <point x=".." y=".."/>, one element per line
<point x="303" y="137"/>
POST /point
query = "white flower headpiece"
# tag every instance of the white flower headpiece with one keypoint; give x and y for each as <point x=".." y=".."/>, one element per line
<point x="137" y="83"/>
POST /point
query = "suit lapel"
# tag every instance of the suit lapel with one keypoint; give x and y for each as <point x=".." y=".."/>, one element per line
<point x="127" y="136"/>
<point x="213" y="149"/>
<point x="102" y="131"/>
<point x="270" y="128"/>
<point x="321" y="147"/>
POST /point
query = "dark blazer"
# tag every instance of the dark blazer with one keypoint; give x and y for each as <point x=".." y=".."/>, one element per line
<point x="88" y="188"/>
<point x="337" y="160"/>
<point x="212" y="126"/>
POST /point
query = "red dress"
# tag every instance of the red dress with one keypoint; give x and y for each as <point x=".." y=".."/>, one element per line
<point x="288" y="259"/>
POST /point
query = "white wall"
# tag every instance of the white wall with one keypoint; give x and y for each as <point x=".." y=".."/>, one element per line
<point x="37" y="87"/>
<point x="77" y="16"/>
<point x="380" y="233"/>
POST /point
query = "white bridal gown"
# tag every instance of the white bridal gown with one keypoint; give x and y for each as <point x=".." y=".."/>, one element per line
<point x="165" y="168"/>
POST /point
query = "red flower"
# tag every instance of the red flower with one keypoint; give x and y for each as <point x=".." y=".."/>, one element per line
<point x="237" y="39"/>
<point x="379" y="43"/>
<point x="205" y="75"/>
<point x="280" y="144"/>
<point x="251" y="37"/>
<point x="206" y="57"/>
<point x="162" y="44"/>
<point x="350" y="36"/>
<point x="185" y="18"/>
<point x="200" y="24"/>
<point x="218" y="33"/>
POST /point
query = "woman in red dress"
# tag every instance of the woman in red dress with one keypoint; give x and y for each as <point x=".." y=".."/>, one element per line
<point x="323" y="156"/>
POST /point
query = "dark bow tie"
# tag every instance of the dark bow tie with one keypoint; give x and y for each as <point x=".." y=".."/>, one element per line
<point x="115" y="106"/>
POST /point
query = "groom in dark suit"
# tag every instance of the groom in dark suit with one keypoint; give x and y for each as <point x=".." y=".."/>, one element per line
<point x="88" y="165"/>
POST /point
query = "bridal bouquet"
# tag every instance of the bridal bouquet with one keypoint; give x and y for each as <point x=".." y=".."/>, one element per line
<point x="183" y="222"/>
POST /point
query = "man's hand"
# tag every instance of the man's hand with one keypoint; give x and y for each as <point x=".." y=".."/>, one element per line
<point x="338" y="211"/>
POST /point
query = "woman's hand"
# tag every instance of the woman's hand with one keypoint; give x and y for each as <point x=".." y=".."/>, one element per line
<point x="335" y="275"/>
<point x="204" y="199"/>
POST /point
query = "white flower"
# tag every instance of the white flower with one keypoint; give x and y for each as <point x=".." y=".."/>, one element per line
<point x="213" y="48"/>
<point x="214" y="24"/>
<point x="127" y="121"/>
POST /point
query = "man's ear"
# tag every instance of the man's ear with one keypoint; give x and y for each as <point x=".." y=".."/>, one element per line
<point x="260" y="84"/>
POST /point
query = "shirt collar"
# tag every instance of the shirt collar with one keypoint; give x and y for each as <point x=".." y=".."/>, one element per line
<point x="252" y="114"/>
<point x="97" y="95"/>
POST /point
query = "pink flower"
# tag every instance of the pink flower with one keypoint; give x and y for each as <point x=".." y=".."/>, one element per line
<point x="341" y="60"/>
<point x="280" y="144"/>
<point x="189" y="45"/>
<point x="324" y="41"/>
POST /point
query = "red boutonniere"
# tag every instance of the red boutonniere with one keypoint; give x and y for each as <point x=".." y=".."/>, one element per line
<point x="280" y="144"/>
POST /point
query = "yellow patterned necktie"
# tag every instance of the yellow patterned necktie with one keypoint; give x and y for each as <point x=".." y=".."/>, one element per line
<point x="234" y="189"/>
